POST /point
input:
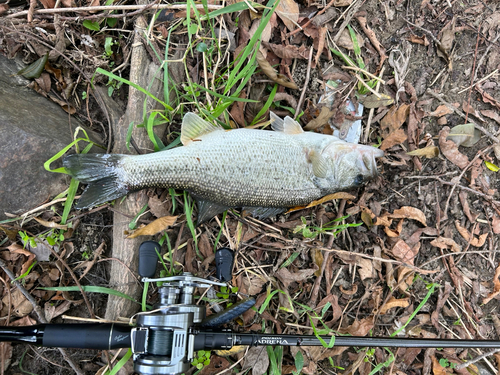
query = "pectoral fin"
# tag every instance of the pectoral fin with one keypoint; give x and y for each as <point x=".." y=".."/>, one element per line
<point x="193" y="126"/>
<point x="264" y="212"/>
<point x="207" y="210"/>
<point x="319" y="165"/>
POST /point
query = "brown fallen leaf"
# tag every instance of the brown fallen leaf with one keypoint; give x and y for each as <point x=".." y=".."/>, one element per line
<point x="441" y="111"/>
<point x="437" y="369"/>
<point x="405" y="253"/>
<point x="50" y="224"/>
<point x="418" y="39"/>
<point x="269" y="71"/>
<point x="395" y="138"/>
<point x="394" y="302"/>
<point x="287" y="277"/>
<point x="317" y="257"/>
<point x="288" y="11"/>
<point x="496" y="288"/>
<point x="445" y="243"/>
<point x="288" y="52"/>
<point x="408" y="212"/>
<point x="345" y="40"/>
<point x="156" y="226"/>
<point x="495" y="224"/>
<point x="395" y="118"/>
<point x="257" y="360"/>
<point x="396" y="232"/>
<point x="322" y="119"/>
<point x="331" y="197"/>
<point x="450" y="150"/>
<point x="373" y="101"/>
<point x="359" y="327"/>
<point x="429" y="152"/>
<point x="476" y="242"/>
<point x="491" y="114"/>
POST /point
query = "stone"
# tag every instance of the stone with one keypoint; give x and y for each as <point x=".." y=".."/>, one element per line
<point x="33" y="129"/>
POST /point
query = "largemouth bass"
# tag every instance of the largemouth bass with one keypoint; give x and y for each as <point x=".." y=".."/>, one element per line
<point x="262" y="171"/>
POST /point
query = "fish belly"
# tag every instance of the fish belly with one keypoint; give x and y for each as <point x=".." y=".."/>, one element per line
<point x="235" y="168"/>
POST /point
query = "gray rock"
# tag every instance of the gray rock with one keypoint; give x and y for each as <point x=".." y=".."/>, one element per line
<point x="33" y="129"/>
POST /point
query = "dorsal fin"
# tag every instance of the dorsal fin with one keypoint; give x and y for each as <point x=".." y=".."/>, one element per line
<point x="193" y="126"/>
<point x="287" y="126"/>
<point x="319" y="164"/>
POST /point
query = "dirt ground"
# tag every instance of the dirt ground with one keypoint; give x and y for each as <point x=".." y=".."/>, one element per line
<point x="429" y="224"/>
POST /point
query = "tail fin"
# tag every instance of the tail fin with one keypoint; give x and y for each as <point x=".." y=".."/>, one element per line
<point x="102" y="172"/>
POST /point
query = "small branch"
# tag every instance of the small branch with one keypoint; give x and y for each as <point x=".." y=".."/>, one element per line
<point x="478" y="358"/>
<point x="112" y="8"/>
<point x="306" y="82"/>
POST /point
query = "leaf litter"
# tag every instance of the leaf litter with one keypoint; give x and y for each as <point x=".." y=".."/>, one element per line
<point x="369" y="276"/>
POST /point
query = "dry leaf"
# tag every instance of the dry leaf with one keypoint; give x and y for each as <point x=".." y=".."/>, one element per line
<point x="496" y="289"/>
<point x="495" y="224"/>
<point x="437" y="369"/>
<point x="395" y="118"/>
<point x="442" y="110"/>
<point x="395" y="138"/>
<point x="256" y="359"/>
<point x="50" y="224"/>
<point x="288" y="11"/>
<point x="158" y="207"/>
<point x="269" y="71"/>
<point x="287" y="277"/>
<point x="359" y="327"/>
<point x="156" y="226"/>
<point x="351" y="292"/>
<point x="464" y="135"/>
<point x="418" y="39"/>
<point x="429" y="152"/>
<point x="253" y="284"/>
<point x="445" y="243"/>
<point x="330" y="197"/>
<point x="288" y="52"/>
<point x="393" y="302"/>
<point x="317" y="257"/>
<point x="394" y="233"/>
<point x="404" y="253"/>
<point x="373" y="101"/>
<point x="447" y="39"/>
<point x="476" y="242"/>
<point x="491" y="114"/>
<point x="408" y="212"/>
<point x="321" y="120"/>
<point x="450" y="150"/>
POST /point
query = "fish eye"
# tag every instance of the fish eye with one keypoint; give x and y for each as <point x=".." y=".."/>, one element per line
<point x="358" y="180"/>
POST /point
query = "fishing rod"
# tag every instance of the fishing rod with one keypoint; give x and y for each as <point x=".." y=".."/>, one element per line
<point x="164" y="340"/>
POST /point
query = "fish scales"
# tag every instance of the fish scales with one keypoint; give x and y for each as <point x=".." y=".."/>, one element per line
<point x="260" y="169"/>
<point x="237" y="168"/>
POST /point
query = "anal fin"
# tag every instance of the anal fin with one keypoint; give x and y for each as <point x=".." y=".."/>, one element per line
<point x="208" y="209"/>
<point x="264" y="212"/>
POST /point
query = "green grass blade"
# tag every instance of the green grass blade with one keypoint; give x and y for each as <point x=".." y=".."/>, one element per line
<point x="134" y="85"/>
<point x="120" y="363"/>
<point x="264" y="109"/>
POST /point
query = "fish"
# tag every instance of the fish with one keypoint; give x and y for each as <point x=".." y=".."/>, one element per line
<point x="265" y="172"/>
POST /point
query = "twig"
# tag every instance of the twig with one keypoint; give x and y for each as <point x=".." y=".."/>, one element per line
<point x="478" y="358"/>
<point x="113" y="8"/>
<point x="481" y="60"/>
<point x="40" y="314"/>
<point x="367" y="87"/>
<point x="302" y="27"/>
<point x="306" y="83"/>
<point x="358" y="69"/>
<point x="89" y="307"/>
<point x="354" y="8"/>
<point x="478" y="82"/>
